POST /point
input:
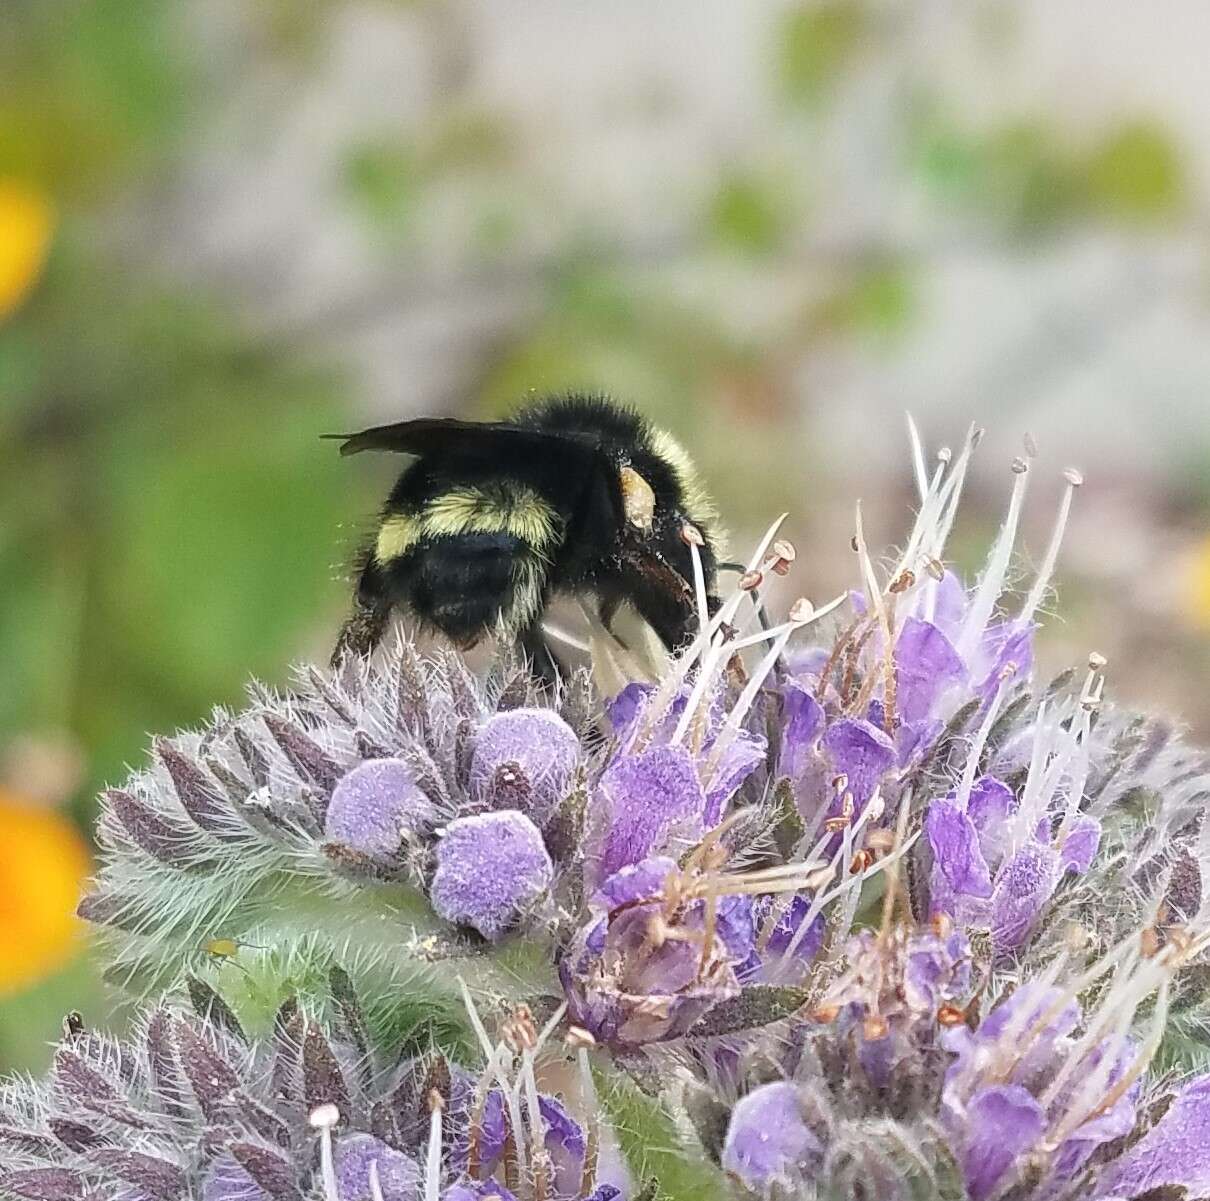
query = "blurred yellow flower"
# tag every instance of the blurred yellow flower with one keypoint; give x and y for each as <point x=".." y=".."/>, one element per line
<point x="27" y="220"/>
<point x="43" y="862"/>
<point x="1197" y="588"/>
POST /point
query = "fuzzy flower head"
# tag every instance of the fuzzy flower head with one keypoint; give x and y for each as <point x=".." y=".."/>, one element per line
<point x="805" y="887"/>
<point x="190" y="1106"/>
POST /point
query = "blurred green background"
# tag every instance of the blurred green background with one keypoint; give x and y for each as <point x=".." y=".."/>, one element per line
<point x="226" y="228"/>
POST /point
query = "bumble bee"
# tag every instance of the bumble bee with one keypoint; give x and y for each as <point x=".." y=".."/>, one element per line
<point x="574" y="495"/>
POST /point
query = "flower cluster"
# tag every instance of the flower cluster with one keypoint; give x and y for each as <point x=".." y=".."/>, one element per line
<point x="190" y="1106"/>
<point x="842" y="906"/>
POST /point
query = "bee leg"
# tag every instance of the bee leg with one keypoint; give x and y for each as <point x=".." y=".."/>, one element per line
<point x="542" y="663"/>
<point x="607" y="610"/>
<point x="362" y="632"/>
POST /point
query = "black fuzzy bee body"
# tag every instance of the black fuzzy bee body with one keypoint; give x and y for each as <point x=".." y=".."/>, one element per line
<point x="574" y="495"/>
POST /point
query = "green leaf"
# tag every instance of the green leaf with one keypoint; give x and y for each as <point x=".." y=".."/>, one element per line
<point x="654" y="1148"/>
<point x="757" y="1005"/>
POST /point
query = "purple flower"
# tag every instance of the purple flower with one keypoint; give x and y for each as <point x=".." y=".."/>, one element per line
<point x="802" y="723"/>
<point x="1024" y="883"/>
<point x="398" y="1174"/>
<point x="981" y="880"/>
<point x="375" y="807"/>
<point x="1174" y="1154"/>
<point x="767" y="1140"/>
<point x="566" y="1145"/>
<point x="926" y="665"/>
<point x="1001" y="1123"/>
<point x="489" y="868"/>
<point x="773" y="962"/>
<point x="524" y="759"/>
<point x="888" y="1003"/>
<point x="1014" y="1078"/>
<point x="651" y="966"/>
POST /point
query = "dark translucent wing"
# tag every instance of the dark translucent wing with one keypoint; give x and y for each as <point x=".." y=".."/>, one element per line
<point x="427" y="435"/>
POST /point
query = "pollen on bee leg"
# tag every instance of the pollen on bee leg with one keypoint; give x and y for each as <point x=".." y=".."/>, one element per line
<point x="638" y="499"/>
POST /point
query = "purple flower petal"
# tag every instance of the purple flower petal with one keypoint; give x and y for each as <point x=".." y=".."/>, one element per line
<point x="639" y="882"/>
<point x="991" y="801"/>
<point x="1005" y="648"/>
<point x="802" y="722"/>
<point x="642" y="799"/>
<point x="767" y="1140"/>
<point x="1175" y="1153"/>
<point x="768" y="965"/>
<point x="956" y="853"/>
<point x="524" y="759"/>
<point x="926" y="665"/>
<point x="1023" y="886"/>
<point x="623" y="711"/>
<point x="1000" y="1124"/>
<point x="375" y="805"/>
<point x="398" y="1174"/>
<point x="1080" y="845"/>
<point x="862" y="752"/>
<point x="949" y="604"/>
<point x="489" y="867"/>
<point x="565" y="1144"/>
<point x="741" y="758"/>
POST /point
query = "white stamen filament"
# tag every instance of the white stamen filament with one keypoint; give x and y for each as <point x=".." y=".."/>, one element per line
<point x="733" y="724"/>
<point x="477" y="1026"/>
<point x="493" y="1055"/>
<point x="699" y="589"/>
<point x="971" y="767"/>
<point x="953" y="494"/>
<point x="1046" y="571"/>
<point x="323" y="1118"/>
<point x="432" y="1166"/>
<point x="1079" y="776"/>
<point x="921" y="473"/>
<point x="375" y="1182"/>
<point x="705" y="647"/>
<point x="537" y="1125"/>
<point x="991" y="583"/>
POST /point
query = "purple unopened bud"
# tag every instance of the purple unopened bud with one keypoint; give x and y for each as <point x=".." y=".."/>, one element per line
<point x="489" y="867"/>
<point x="1023" y="886"/>
<point x="398" y="1174"/>
<point x="375" y="806"/>
<point x="767" y="1141"/>
<point x="524" y="759"/>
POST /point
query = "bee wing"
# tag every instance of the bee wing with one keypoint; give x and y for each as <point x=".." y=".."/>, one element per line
<point x="426" y="435"/>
